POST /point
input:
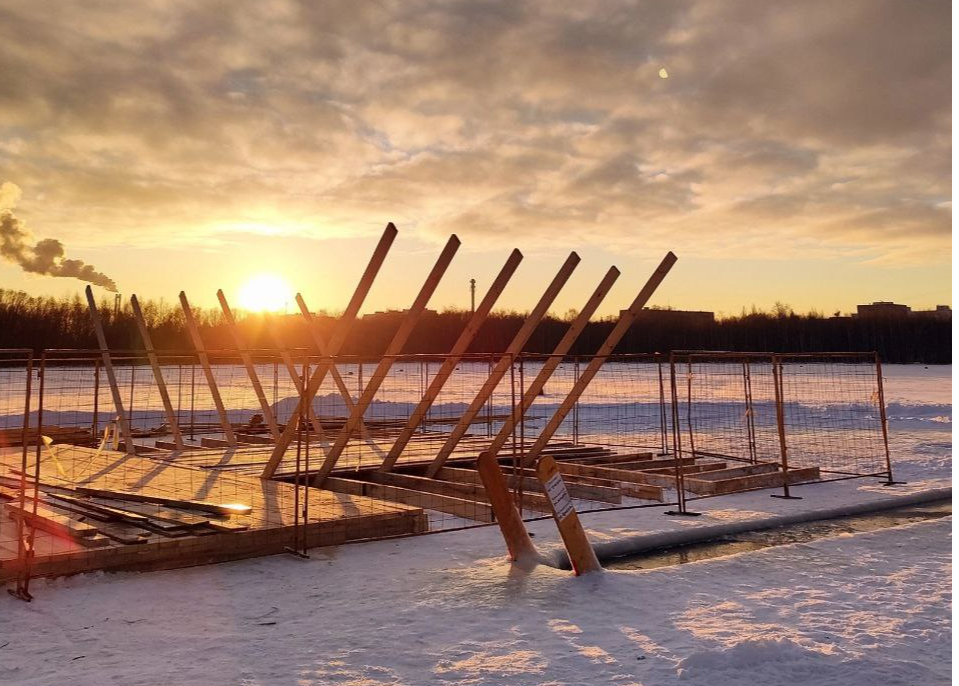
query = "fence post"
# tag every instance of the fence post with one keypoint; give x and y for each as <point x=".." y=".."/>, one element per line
<point x="881" y="399"/>
<point x="677" y="446"/>
<point x="781" y="426"/>
<point x="25" y="551"/>
<point x="663" y="435"/>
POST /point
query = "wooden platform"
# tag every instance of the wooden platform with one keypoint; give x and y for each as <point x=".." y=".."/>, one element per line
<point x="171" y="536"/>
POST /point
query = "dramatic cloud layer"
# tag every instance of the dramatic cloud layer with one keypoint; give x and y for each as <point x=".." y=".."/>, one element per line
<point x="800" y="127"/>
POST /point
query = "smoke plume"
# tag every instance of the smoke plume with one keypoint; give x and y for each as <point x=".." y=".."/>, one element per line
<point x="46" y="256"/>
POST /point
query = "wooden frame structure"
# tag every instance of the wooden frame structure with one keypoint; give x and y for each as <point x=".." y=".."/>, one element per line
<point x="386" y="362"/>
<point x="207" y="370"/>
<point x="452" y="359"/>
<point x="248" y="364"/>
<point x="171" y="417"/>
<point x="122" y="418"/>
<point x="496" y="375"/>
<point x="626" y="320"/>
<point x="339" y="335"/>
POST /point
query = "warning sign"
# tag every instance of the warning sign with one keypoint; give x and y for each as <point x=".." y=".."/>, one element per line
<point x="559" y="497"/>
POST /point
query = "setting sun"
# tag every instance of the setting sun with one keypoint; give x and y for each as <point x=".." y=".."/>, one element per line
<point x="265" y="293"/>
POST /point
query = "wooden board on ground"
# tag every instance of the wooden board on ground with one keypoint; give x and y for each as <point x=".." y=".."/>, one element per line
<point x="267" y="529"/>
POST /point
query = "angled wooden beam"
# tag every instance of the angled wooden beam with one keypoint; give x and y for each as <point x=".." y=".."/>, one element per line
<point x="386" y="362"/>
<point x="291" y="369"/>
<point x="546" y="372"/>
<point x="501" y="367"/>
<point x="207" y="369"/>
<point x="339" y="335"/>
<point x="248" y="363"/>
<point x="453" y="359"/>
<point x="626" y="320"/>
<point x="582" y="557"/>
<point x="111" y="375"/>
<point x="171" y="417"/>
<point x="325" y="351"/>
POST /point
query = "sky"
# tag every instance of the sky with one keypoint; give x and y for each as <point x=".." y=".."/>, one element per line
<point x="796" y="151"/>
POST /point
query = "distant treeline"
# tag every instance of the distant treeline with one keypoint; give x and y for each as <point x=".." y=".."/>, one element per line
<point x="36" y="322"/>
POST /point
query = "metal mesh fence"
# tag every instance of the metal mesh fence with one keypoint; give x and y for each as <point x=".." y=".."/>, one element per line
<point x="145" y="454"/>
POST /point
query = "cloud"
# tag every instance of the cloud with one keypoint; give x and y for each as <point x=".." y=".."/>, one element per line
<point x="802" y="120"/>
<point x="46" y="256"/>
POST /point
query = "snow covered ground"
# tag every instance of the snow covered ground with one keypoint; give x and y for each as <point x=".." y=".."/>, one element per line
<point x="868" y="608"/>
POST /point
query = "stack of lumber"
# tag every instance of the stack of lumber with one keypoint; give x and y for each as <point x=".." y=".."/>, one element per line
<point x="94" y="517"/>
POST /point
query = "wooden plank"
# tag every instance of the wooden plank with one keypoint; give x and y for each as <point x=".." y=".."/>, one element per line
<point x="51" y="521"/>
<point x="111" y="375"/>
<point x="460" y="507"/>
<point x="745" y="470"/>
<point x="553" y="361"/>
<point x="452" y="359"/>
<point x="614" y="458"/>
<point x="604" y="494"/>
<point x="502" y="366"/>
<point x="207" y="369"/>
<point x="518" y="542"/>
<point x="749" y="482"/>
<point x="339" y="335"/>
<point x="626" y="320"/>
<point x="247" y="360"/>
<point x="580" y="550"/>
<point x="171" y="417"/>
<point x="395" y="347"/>
<point x="189" y="504"/>
<point x="620" y="475"/>
<point x="457" y="489"/>
<point x="627" y="488"/>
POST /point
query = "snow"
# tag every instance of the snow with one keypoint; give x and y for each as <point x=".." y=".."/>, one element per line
<point x="871" y="608"/>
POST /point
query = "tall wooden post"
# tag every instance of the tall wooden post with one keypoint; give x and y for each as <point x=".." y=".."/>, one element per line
<point x="501" y="367"/>
<point x="339" y="335"/>
<point x="452" y="359"/>
<point x="207" y="370"/>
<point x="171" y="417"/>
<point x="626" y="320"/>
<point x="386" y="362"/>
<point x="248" y="363"/>
<point x="111" y="376"/>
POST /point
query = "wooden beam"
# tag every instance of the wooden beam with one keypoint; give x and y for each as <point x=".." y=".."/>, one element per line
<point x="452" y="359"/>
<point x="122" y="418"/>
<point x="614" y="475"/>
<point x="580" y="550"/>
<point x="459" y="507"/>
<point x="298" y="381"/>
<point x="325" y="351"/>
<point x="553" y="361"/>
<point x="171" y="417"/>
<point x="458" y="489"/>
<point x="518" y="542"/>
<point x="603" y="494"/>
<point x="248" y="363"/>
<point x="339" y="335"/>
<point x="626" y="320"/>
<point x="386" y="362"/>
<point x="207" y="369"/>
<point x="501" y="367"/>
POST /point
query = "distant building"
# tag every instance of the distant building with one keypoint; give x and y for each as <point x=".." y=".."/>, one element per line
<point x="882" y="309"/>
<point x="942" y="312"/>
<point x="673" y="317"/>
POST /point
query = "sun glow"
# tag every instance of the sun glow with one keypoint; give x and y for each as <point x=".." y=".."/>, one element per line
<point x="265" y="293"/>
